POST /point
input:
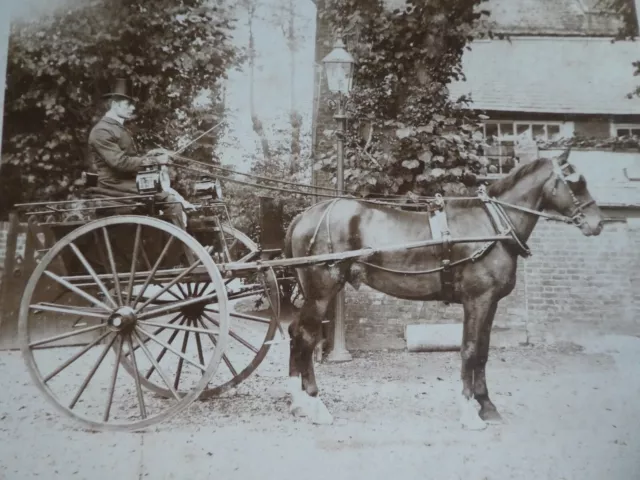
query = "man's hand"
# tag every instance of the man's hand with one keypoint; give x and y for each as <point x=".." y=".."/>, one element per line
<point x="163" y="159"/>
<point x="159" y="156"/>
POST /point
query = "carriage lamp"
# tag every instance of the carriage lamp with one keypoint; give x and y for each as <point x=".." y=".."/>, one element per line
<point x="148" y="180"/>
<point x="208" y="188"/>
<point x="339" y="68"/>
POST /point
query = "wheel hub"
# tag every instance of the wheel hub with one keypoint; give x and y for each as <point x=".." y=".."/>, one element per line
<point x="194" y="311"/>
<point x="123" y="319"/>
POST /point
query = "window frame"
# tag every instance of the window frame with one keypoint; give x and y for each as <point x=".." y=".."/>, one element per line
<point x="566" y="130"/>
<point x="614" y="126"/>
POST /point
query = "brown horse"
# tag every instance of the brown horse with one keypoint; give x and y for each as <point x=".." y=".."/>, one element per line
<point x="348" y="224"/>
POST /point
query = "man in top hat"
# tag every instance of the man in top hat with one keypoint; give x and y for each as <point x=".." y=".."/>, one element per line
<point x="112" y="152"/>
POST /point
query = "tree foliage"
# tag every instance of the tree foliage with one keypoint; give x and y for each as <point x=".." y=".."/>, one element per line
<point x="629" y="30"/>
<point x="59" y="68"/>
<point x="406" y="136"/>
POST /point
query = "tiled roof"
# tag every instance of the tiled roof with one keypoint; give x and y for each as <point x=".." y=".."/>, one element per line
<point x="539" y="17"/>
<point x="551" y="74"/>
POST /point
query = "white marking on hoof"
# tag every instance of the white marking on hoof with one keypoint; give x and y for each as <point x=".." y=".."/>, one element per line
<point x="469" y="418"/>
<point x="319" y="412"/>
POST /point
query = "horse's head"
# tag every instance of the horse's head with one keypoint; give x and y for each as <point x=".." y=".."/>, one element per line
<point x="566" y="192"/>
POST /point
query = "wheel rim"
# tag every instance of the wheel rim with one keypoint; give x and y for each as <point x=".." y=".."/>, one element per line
<point x="117" y="323"/>
<point x="249" y="334"/>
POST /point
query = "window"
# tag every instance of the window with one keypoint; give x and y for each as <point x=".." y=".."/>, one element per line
<point x="507" y="140"/>
<point x="625" y="129"/>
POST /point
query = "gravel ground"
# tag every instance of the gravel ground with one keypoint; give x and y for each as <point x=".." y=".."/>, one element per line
<point x="570" y="411"/>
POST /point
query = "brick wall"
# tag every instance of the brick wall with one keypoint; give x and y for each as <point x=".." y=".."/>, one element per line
<point x="570" y="283"/>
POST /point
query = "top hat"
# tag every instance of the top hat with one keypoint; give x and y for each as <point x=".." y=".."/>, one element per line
<point x="120" y="90"/>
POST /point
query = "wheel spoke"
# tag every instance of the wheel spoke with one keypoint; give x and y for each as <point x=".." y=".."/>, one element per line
<point x="171" y="349"/>
<point x="112" y="385"/>
<point x="136" y="377"/>
<point x="178" y="327"/>
<point x="52" y="307"/>
<point x="116" y="280"/>
<point x="148" y="265"/>
<point x="224" y="356"/>
<point x="75" y="357"/>
<point x="76" y="290"/>
<point x="233" y="334"/>
<point x="198" y="344"/>
<point x="156" y="312"/>
<point x="185" y="340"/>
<point x="153" y="270"/>
<point x="91" y="373"/>
<point x="160" y="330"/>
<point x="171" y="284"/>
<point x="155" y="364"/>
<point x="136" y="247"/>
<point x="243" y="316"/>
<point x="93" y="274"/>
<point x="66" y="335"/>
<point x="164" y="350"/>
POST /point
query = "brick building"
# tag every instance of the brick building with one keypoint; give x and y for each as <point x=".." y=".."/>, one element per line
<point x="556" y="75"/>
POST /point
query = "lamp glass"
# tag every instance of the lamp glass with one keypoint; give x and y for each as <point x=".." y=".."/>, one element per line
<point x="339" y="76"/>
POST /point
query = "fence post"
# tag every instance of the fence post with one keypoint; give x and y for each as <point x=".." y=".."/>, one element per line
<point x="6" y="303"/>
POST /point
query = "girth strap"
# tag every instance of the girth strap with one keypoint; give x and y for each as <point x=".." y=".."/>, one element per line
<point x="440" y="230"/>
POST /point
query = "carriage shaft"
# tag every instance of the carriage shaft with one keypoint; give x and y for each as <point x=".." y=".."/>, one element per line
<point x="361" y="253"/>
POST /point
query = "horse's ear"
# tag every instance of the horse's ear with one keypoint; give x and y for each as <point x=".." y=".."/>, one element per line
<point x="564" y="156"/>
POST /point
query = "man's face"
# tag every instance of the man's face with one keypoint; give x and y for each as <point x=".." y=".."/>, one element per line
<point x="123" y="108"/>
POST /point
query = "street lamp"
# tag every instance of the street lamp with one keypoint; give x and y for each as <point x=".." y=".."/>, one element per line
<point x="339" y="67"/>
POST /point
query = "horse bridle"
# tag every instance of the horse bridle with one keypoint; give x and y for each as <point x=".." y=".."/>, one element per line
<point x="577" y="216"/>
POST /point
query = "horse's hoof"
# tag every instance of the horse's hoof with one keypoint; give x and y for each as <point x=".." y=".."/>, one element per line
<point x="491" y="415"/>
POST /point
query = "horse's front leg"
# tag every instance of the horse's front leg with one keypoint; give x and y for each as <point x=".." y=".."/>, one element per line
<point x="476" y="312"/>
<point x="305" y="335"/>
<point x="488" y="411"/>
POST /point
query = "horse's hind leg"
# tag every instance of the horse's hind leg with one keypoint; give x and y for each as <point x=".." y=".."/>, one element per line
<point x="305" y="334"/>
<point x="488" y="411"/>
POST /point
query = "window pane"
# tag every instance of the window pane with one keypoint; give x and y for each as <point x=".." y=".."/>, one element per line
<point x="553" y="132"/>
<point x="635" y="131"/>
<point x="506" y="129"/>
<point x="538" y="132"/>
<point x="491" y="130"/>
<point x="621" y="132"/>
<point x="521" y="128"/>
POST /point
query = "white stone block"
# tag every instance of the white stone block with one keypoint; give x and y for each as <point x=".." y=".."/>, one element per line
<point x="434" y="338"/>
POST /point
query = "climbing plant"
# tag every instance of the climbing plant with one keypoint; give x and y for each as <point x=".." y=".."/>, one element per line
<point x="59" y="67"/>
<point x="406" y="135"/>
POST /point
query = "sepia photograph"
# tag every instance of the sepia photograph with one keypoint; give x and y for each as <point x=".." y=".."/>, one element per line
<point x="301" y="239"/>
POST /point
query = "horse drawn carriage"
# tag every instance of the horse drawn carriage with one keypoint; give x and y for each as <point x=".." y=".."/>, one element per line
<point x="151" y="317"/>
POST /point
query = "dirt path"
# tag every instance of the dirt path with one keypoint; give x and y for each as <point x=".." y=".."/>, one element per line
<point x="571" y="412"/>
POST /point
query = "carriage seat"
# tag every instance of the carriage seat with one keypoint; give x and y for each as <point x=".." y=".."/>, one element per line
<point x="102" y="192"/>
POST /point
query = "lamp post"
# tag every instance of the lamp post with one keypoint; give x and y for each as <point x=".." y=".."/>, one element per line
<point x="339" y="66"/>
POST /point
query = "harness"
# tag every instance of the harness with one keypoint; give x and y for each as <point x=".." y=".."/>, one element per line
<point x="499" y="219"/>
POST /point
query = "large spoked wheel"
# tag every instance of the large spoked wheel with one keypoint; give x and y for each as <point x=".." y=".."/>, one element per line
<point x="114" y="314"/>
<point x="254" y="309"/>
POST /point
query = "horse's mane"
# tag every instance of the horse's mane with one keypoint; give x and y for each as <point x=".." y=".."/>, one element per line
<point x="504" y="184"/>
<point x="507" y="183"/>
